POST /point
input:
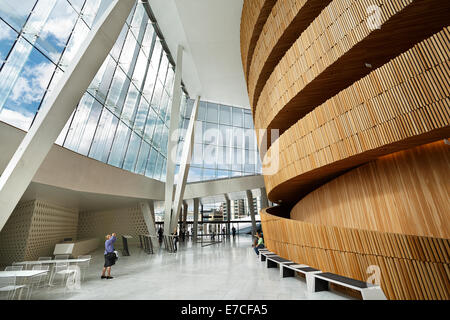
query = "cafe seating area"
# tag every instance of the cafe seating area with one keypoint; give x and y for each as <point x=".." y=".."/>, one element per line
<point x="20" y="280"/>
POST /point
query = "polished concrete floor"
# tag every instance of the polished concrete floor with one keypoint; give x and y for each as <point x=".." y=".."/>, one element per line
<point x="226" y="271"/>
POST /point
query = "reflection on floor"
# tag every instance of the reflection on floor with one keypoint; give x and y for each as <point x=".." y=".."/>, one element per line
<point x="228" y="270"/>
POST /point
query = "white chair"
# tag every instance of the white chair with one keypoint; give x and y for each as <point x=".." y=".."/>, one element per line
<point x="14" y="268"/>
<point x="84" y="266"/>
<point x="37" y="281"/>
<point x="60" y="269"/>
<point x="8" y="288"/>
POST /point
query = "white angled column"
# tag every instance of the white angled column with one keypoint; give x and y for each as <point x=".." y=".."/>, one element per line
<point x="54" y="114"/>
<point x="184" y="165"/>
<point x="195" y="228"/>
<point x="228" y="206"/>
<point x="264" y="200"/>
<point x="173" y="141"/>
<point x="251" y="208"/>
<point x="148" y="211"/>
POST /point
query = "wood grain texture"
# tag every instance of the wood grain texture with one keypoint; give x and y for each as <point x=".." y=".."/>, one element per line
<point x="404" y="103"/>
<point x="287" y="21"/>
<point x="333" y="51"/>
<point x="412" y="267"/>
<point x="406" y="192"/>
<point x="254" y="16"/>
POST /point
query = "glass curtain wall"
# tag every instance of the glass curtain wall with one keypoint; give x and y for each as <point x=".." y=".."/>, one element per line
<point x="123" y="117"/>
<point x="225" y="144"/>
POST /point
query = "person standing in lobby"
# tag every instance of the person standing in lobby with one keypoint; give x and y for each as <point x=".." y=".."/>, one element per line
<point x="110" y="256"/>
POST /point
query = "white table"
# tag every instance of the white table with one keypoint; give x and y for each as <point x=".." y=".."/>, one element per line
<point x="22" y="273"/>
<point x="53" y="261"/>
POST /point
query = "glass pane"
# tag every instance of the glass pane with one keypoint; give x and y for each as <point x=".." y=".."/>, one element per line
<point x="156" y="55"/>
<point x="130" y="105"/>
<point x="226" y="132"/>
<point x="23" y="82"/>
<point x="209" y="174"/>
<point x="150" y="125"/>
<point x="211" y="134"/>
<point x="117" y="92"/>
<point x="120" y="145"/>
<point x="238" y="138"/>
<point x="128" y="53"/>
<point x="53" y="25"/>
<point x="132" y="152"/>
<point x="250" y="161"/>
<point x="137" y="19"/>
<point x="7" y="38"/>
<point x="63" y="134"/>
<point x="210" y="156"/>
<point x="189" y="106"/>
<point x="237" y="117"/>
<point x="237" y="159"/>
<point x="249" y="139"/>
<point x="224" y="158"/>
<point x="115" y="52"/>
<point x="225" y="115"/>
<point x="248" y="120"/>
<point x="201" y="111"/>
<point x="104" y="136"/>
<point x="90" y="10"/>
<point x="156" y="98"/>
<point x="142" y="159"/>
<point x="157" y="135"/>
<point x="77" y="4"/>
<point x="212" y="113"/>
<point x="149" y="83"/>
<point x="222" y="174"/>
<point x="141" y="116"/>
<point x="158" y="167"/>
<point x="151" y="163"/>
<point x="139" y="70"/>
<point x="16" y="12"/>
<point x="195" y="174"/>
<point x="77" y="38"/>
<point x="197" y="156"/>
<point x="148" y="40"/>
<point x="79" y="122"/>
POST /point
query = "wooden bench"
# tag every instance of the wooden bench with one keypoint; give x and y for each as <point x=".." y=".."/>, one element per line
<point x="289" y="270"/>
<point x="368" y="291"/>
<point x="265" y="253"/>
<point x="317" y="280"/>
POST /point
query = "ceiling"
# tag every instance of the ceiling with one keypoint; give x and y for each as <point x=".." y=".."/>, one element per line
<point x="209" y="32"/>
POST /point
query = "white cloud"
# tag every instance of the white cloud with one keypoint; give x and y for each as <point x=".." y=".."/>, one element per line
<point x="32" y="83"/>
<point x="6" y="33"/>
<point x="21" y="120"/>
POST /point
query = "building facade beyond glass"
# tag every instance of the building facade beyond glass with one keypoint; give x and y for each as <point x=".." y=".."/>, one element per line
<point x="124" y="116"/>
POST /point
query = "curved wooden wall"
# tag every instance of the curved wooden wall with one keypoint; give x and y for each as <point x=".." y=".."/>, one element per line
<point x="412" y="267"/>
<point x="345" y="95"/>
<point x="407" y="192"/>
<point x="402" y="104"/>
<point x="287" y="21"/>
<point x="332" y="52"/>
<point x="254" y="16"/>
